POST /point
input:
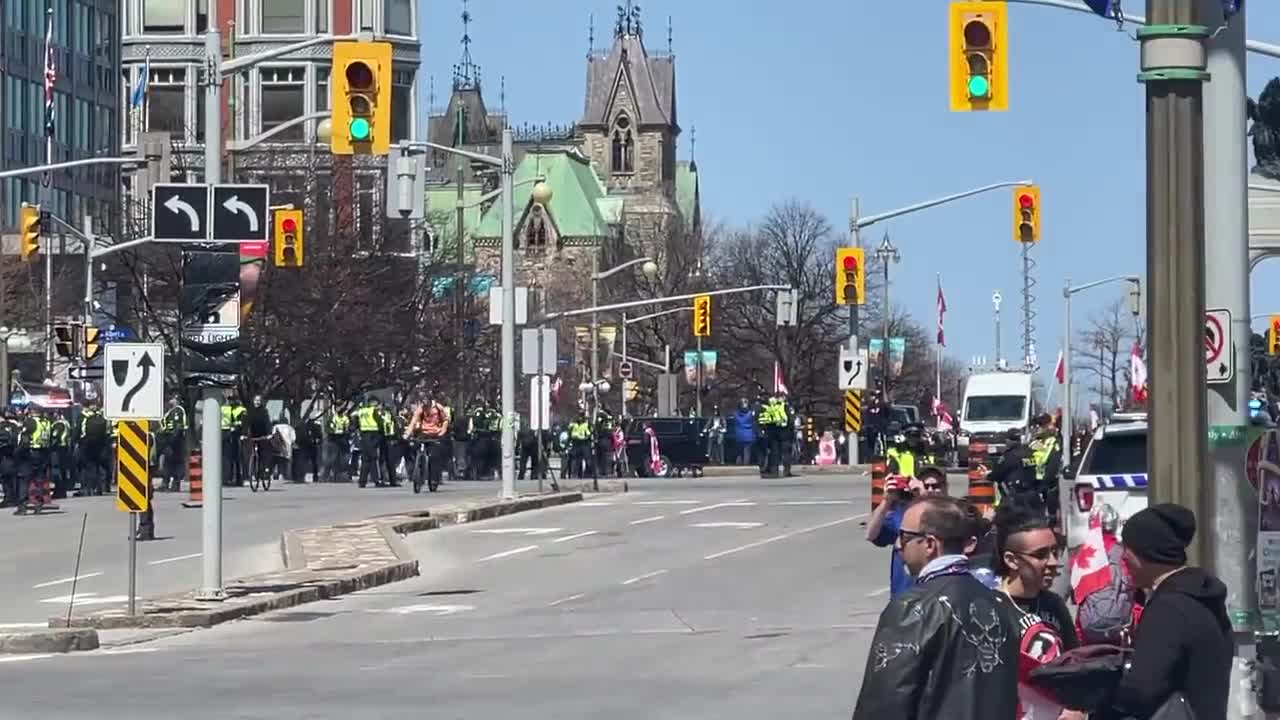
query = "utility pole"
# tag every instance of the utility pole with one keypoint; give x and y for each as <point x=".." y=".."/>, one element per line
<point x="459" y="297"/>
<point x="1173" y="70"/>
<point x="885" y="253"/>
<point x="1028" y="307"/>
<point x="1228" y="514"/>
<point x="995" y="304"/>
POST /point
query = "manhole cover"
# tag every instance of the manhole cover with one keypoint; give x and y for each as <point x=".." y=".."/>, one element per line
<point x="296" y="616"/>
<point x="435" y="593"/>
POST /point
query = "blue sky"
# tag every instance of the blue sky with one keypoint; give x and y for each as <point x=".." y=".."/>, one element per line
<point x="825" y="99"/>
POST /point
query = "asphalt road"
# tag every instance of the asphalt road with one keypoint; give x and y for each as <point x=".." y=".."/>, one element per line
<point x="39" y="551"/>
<point x="706" y="598"/>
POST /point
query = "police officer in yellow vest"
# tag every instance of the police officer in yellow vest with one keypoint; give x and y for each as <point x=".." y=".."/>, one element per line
<point x="232" y="423"/>
<point x="1046" y="452"/>
<point x="30" y="446"/>
<point x="172" y="442"/>
<point x="774" y="424"/>
<point x="369" y="425"/>
<point x="60" y="456"/>
<point x="337" y="442"/>
<point x="579" y="445"/>
<point x="391" y="432"/>
<point x="900" y="459"/>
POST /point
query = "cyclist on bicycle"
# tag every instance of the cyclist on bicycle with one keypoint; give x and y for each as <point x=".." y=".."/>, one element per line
<point x="260" y="426"/>
<point x="430" y="425"/>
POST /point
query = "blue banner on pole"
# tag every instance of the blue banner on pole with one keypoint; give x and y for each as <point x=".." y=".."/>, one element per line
<point x="1102" y="7"/>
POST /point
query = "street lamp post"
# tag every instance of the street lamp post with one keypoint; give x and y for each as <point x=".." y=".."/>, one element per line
<point x="665" y="367"/>
<point x="1135" y="294"/>
<point x="650" y="269"/>
<point x="996" y="299"/>
<point x="5" y="334"/>
<point x="884" y="254"/>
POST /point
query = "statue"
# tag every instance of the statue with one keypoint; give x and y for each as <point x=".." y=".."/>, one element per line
<point x="1265" y="114"/>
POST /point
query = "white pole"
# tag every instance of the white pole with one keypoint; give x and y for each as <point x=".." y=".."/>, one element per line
<point x="508" y="321"/>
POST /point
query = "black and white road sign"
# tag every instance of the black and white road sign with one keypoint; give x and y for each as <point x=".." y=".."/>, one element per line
<point x="1219" y="358"/>
<point x="84" y="372"/>
<point x="625" y="370"/>
<point x="134" y="382"/>
<point x="240" y="213"/>
<point x="180" y="212"/>
<point x="854" y="369"/>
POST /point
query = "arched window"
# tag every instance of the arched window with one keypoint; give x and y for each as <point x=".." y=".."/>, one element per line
<point x="535" y="230"/>
<point x="623" y="155"/>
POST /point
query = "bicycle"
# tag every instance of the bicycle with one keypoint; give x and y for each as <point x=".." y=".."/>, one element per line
<point x="420" y="471"/>
<point x="256" y="476"/>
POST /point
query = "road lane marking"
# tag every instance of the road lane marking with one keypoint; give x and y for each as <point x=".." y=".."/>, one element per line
<point x="668" y="502"/>
<point x="645" y="576"/>
<point x="816" y="502"/>
<point x="738" y="525"/>
<point x="593" y="503"/>
<point x="87" y="599"/>
<point x="175" y="559"/>
<point x="878" y="593"/>
<point x="744" y="502"/>
<point x="785" y="536"/>
<point x="575" y="536"/>
<point x="24" y="626"/>
<point x="642" y="521"/>
<point x="563" y="600"/>
<point x="128" y="651"/>
<point x="521" y="531"/>
<point x="509" y="553"/>
<point x="437" y="610"/>
<point x="64" y="581"/>
<point x="22" y="658"/>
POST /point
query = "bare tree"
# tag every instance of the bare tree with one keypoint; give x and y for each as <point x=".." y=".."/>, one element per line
<point x="1101" y="352"/>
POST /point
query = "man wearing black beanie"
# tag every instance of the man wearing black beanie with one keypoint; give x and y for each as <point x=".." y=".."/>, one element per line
<point x="1183" y="642"/>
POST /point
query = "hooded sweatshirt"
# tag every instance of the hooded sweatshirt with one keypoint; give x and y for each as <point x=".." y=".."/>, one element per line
<point x="1183" y="644"/>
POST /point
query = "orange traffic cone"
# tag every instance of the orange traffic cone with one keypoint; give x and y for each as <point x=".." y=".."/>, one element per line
<point x="195" y="479"/>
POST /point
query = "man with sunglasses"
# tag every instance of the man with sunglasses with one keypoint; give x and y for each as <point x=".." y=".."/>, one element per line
<point x="885" y="522"/>
<point x="947" y="647"/>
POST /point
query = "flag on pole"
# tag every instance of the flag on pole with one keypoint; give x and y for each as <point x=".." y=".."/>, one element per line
<point x="144" y="82"/>
<point x="779" y="385"/>
<point x="50" y="78"/>
<point x="1060" y="370"/>
<point x="942" y="311"/>
<point x="1138" y="374"/>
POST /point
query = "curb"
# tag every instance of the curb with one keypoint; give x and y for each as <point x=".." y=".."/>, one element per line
<point x="610" y="485"/>
<point x="299" y="584"/>
<point x="752" y="470"/>
<point x="48" y="641"/>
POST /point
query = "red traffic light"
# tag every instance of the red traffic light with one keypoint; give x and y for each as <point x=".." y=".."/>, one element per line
<point x="359" y="75"/>
<point x="850" y="263"/>
<point x="977" y="34"/>
<point x="289" y="225"/>
<point x="1026" y="201"/>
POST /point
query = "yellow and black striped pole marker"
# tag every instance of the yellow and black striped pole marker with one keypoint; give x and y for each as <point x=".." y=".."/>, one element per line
<point x="853" y="411"/>
<point x="133" y="474"/>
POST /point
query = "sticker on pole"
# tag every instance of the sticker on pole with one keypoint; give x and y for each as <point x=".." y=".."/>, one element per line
<point x="1219" y="360"/>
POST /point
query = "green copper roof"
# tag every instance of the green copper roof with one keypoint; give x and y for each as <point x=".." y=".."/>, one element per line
<point x="442" y="213"/>
<point x="687" y="190"/>
<point x="579" y="207"/>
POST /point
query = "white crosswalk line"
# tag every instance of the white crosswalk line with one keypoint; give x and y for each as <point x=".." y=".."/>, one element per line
<point x="575" y="536"/>
<point x="64" y="581"/>
<point x="744" y="502"/>
<point x="642" y="521"/>
<point x="508" y="553"/>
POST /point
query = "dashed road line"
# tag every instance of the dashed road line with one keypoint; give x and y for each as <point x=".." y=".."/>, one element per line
<point x="508" y="553"/>
<point x="86" y="599"/>
<point x="518" y="531"/>
<point x="646" y="576"/>
<point x="784" y="536"/>
<point x="668" y="502"/>
<point x="23" y="658"/>
<point x="642" y="521"/>
<point x="175" y="559"/>
<point x="744" y="502"/>
<point x="815" y="502"/>
<point x="63" y="581"/>
<point x="737" y="525"/>
<point x="575" y="536"/>
<point x="564" y="600"/>
<point x="878" y="593"/>
<point x="24" y="625"/>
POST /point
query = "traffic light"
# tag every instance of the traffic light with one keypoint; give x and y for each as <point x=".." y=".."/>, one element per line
<point x="91" y="345"/>
<point x="702" y="316"/>
<point x="979" y="56"/>
<point x="64" y="341"/>
<point x="1273" y="341"/>
<point x="361" y="99"/>
<point x="29" y="222"/>
<point x="288" y="238"/>
<point x="1026" y="214"/>
<point x="851" y="276"/>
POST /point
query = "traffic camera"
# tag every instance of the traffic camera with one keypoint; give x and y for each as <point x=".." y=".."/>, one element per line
<point x="1273" y="340"/>
<point x="288" y="238"/>
<point x="29" y="222"/>
<point x="979" y="56"/>
<point x="64" y="341"/>
<point x="851" y="276"/>
<point x="361" y="98"/>
<point x="1026" y="214"/>
<point x="702" y="316"/>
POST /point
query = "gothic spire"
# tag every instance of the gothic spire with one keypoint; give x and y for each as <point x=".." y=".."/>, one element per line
<point x="466" y="74"/>
<point x="628" y="20"/>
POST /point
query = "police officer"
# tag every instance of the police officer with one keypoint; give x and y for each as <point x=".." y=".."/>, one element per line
<point x="391" y="432"/>
<point x="579" y="445"/>
<point x="60" y="456"/>
<point x="93" y="447"/>
<point x="172" y="441"/>
<point x="1046" y="452"/>
<point x="369" y="425"/>
<point x="776" y="427"/>
<point x="900" y="458"/>
<point x="232" y="424"/>
<point x="9" y="431"/>
<point x="603" y="442"/>
<point x="337" y="441"/>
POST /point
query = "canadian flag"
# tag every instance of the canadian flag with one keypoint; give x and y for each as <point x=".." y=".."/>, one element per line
<point x="1090" y="569"/>
<point x="1138" y="374"/>
<point x="779" y="384"/>
<point x="1060" y="370"/>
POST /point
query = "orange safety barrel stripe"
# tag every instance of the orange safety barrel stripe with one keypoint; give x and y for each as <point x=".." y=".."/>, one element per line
<point x="878" y="471"/>
<point x="195" y="481"/>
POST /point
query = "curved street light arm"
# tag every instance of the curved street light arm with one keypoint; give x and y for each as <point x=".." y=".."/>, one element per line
<point x="619" y="268"/>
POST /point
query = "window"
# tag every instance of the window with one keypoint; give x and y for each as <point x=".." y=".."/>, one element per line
<point x="167" y="101"/>
<point x="994" y="408"/>
<point x="164" y="17"/>
<point x="283" y="17"/>
<point x="202" y="15"/>
<point x="401" y="105"/>
<point x="397" y="17"/>
<point x="366" y="14"/>
<point x="1116" y="454"/>
<point x="623" y="147"/>
<point x="283" y="99"/>
<point x="322" y="88"/>
<point x="535" y="229"/>
<point x="322" y="16"/>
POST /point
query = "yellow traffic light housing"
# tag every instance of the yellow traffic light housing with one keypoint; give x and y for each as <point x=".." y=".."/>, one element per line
<point x="361" y="98"/>
<point x="1026" y="214"/>
<point x="979" y="56"/>
<point x="851" y="276"/>
<point x="1273" y="342"/>
<point x="64" y="341"/>
<point x="288" y="238"/>
<point x="30" y="227"/>
<point x="91" y="345"/>
<point x="702" y="316"/>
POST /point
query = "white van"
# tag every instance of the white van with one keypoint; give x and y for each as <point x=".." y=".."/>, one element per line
<point x="994" y="404"/>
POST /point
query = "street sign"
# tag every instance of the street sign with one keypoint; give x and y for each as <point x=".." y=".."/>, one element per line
<point x="540" y="402"/>
<point x="1219" y="360"/>
<point x="180" y="212"/>
<point x="134" y="387"/>
<point x="625" y="370"/>
<point x="133" y="473"/>
<point x="240" y="213"/>
<point x="529" y="351"/>
<point x="76" y="372"/>
<point x="854" y="368"/>
<point x="852" y="411"/>
<point x="221" y="318"/>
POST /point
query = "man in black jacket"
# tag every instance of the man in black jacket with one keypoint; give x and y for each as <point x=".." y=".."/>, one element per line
<point x="947" y="647"/>
<point x="1184" y="641"/>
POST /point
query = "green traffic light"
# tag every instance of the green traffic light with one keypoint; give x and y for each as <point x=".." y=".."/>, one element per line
<point x="360" y="129"/>
<point x="979" y="86"/>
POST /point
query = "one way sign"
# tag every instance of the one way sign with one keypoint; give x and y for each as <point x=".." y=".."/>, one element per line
<point x="854" y="369"/>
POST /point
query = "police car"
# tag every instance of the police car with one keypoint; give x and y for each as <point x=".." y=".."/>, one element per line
<point x="1113" y="471"/>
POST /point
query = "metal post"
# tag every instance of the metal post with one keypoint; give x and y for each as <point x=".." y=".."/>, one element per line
<point x="48" y="307"/>
<point x="211" y="413"/>
<point x="851" y="439"/>
<point x="595" y="336"/>
<point x="884" y="326"/>
<point x="133" y="564"/>
<point x="537" y="404"/>
<point x="1229" y="512"/>
<point x="697" y="403"/>
<point x="1066" y="377"/>
<point x="4" y="371"/>
<point x="459" y="299"/>
<point x="1173" y="71"/>
<point x="622" y="382"/>
<point x="508" y="320"/>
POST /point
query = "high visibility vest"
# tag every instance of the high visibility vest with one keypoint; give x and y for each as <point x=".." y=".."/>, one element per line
<point x="1041" y="449"/>
<point x="367" y="418"/>
<point x="227" y="420"/>
<point x="388" y="424"/>
<point x="338" y="424"/>
<point x="906" y="461"/>
<point x="61" y="433"/>
<point x="237" y="415"/>
<point x="175" y="420"/>
<point x="40" y="438"/>
<point x="580" y="430"/>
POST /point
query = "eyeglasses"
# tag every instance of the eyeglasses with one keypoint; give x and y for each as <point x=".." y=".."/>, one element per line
<point x="932" y="486"/>
<point x="1043" y="553"/>
<point x="906" y="536"/>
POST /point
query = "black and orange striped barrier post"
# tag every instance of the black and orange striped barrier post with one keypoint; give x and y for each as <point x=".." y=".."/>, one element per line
<point x="982" y="491"/>
<point x="195" y="480"/>
<point x="879" y="469"/>
<point x="40" y="493"/>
